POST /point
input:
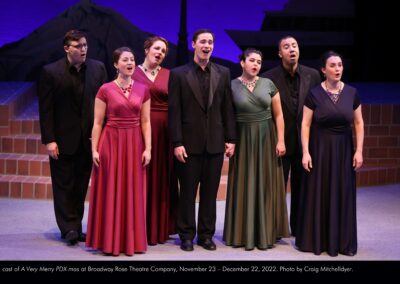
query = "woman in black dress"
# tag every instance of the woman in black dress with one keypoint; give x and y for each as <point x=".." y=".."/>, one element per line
<point x="327" y="209"/>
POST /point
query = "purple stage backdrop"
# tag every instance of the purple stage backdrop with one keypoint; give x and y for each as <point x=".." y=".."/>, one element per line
<point x="18" y="18"/>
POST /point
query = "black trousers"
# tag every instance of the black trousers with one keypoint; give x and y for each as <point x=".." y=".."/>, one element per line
<point x="293" y="165"/>
<point x="206" y="170"/>
<point x="70" y="176"/>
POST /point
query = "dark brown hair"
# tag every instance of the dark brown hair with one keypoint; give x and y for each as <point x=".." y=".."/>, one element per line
<point x="151" y="40"/>
<point x="117" y="53"/>
<point x="201" y="31"/>
<point x="283" y="38"/>
<point x="73" y="35"/>
<point x="249" y="51"/>
<point x="327" y="55"/>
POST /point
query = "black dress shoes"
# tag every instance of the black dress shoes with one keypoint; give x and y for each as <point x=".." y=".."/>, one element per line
<point x="72" y="237"/>
<point x="82" y="237"/>
<point x="349" y="253"/>
<point x="186" y="245"/>
<point x="207" y="244"/>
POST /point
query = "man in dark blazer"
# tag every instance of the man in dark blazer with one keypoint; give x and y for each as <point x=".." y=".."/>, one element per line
<point x="294" y="82"/>
<point x="66" y="91"/>
<point x="202" y="128"/>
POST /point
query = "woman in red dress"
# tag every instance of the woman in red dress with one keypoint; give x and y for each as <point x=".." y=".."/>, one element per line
<point x="121" y="151"/>
<point x="162" y="184"/>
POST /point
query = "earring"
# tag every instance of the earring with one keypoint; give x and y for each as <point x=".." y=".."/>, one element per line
<point x="117" y="71"/>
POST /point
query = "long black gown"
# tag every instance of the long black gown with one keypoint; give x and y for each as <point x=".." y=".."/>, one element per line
<point x="327" y="209"/>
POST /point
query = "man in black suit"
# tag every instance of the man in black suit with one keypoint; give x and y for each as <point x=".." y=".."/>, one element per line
<point x="294" y="82"/>
<point x="66" y="93"/>
<point x="202" y="127"/>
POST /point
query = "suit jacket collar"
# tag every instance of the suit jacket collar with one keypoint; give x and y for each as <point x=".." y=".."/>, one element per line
<point x="89" y="81"/>
<point x="304" y="86"/>
<point x="215" y="76"/>
<point x="287" y="72"/>
<point x="305" y="80"/>
<point x="283" y="88"/>
<point x="194" y="83"/>
<point x="69" y="66"/>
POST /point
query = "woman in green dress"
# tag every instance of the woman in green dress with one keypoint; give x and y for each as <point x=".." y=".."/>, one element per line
<point x="256" y="214"/>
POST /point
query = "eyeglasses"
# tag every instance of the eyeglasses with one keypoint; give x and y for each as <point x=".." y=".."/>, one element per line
<point x="80" y="46"/>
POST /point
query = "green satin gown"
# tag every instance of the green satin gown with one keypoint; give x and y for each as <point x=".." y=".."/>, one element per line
<point x="256" y="213"/>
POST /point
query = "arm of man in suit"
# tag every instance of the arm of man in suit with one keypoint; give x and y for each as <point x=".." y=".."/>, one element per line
<point x="229" y="118"/>
<point x="46" y="113"/>
<point x="174" y="116"/>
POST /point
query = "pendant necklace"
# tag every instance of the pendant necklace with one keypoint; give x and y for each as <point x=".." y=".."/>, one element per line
<point x="152" y="72"/>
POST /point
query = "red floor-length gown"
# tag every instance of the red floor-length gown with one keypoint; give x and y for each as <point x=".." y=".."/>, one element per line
<point x="117" y="213"/>
<point x="162" y="184"/>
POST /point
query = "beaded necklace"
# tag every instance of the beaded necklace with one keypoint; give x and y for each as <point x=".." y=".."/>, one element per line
<point x="249" y="85"/>
<point x="152" y="72"/>
<point x="334" y="96"/>
<point x="127" y="89"/>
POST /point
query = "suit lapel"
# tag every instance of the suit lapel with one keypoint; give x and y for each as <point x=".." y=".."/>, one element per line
<point x="67" y="83"/>
<point x="285" y="93"/>
<point x="86" y="101"/>
<point x="194" y="85"/>
<point x="304" y="86"/>
<point x="214" y="79"/>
